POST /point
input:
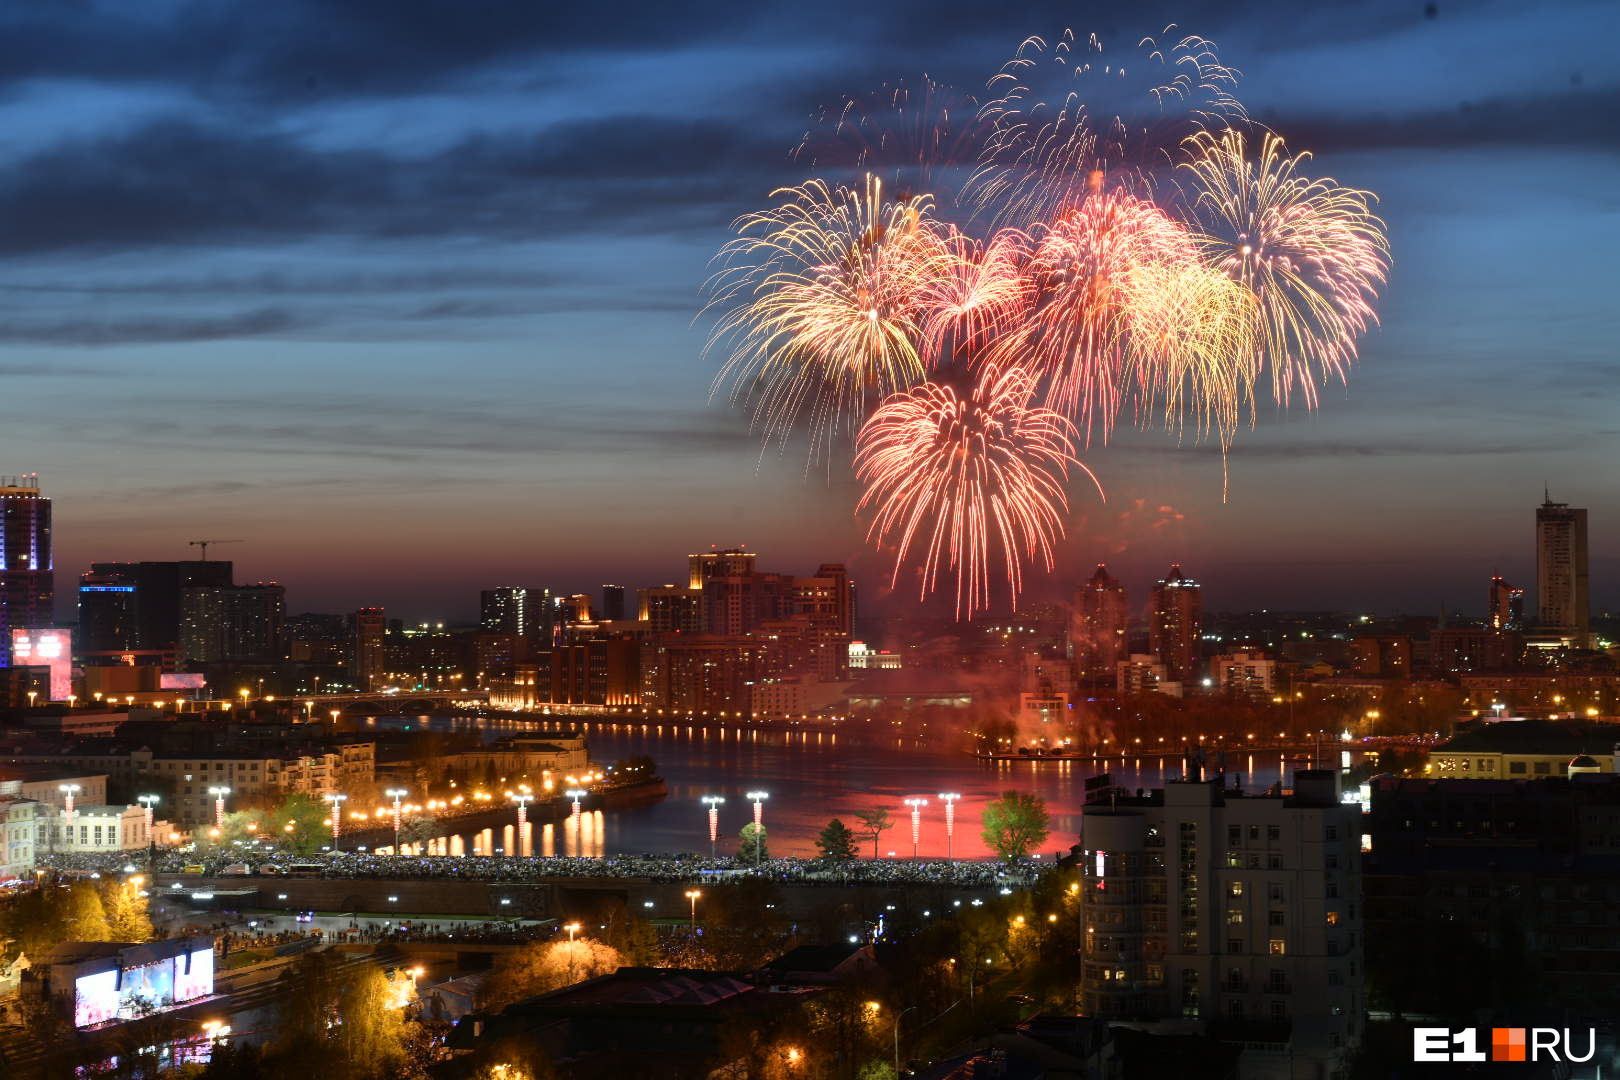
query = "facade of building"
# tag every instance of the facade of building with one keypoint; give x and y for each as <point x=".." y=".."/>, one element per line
<point x="101" y="829"/>
<point x="504" y="610"/>
<point x="1245" y="674"/>
<point x="134" y="609"/>
<point x="1505" y="605"/>
<point x="1101" y="623"/>
<point x="1143" y="673"/>
<point x="671" y="609"/>
<point x="370" y="647"/>
<point x="1523" y="750"/>
<point x="27" y="572"/>
<point x="1228" y="909"/>
<point x="24" y="832"/>
<point x="231" y="623"/>
<point x="1174" y="632"/>
<point x="613" y="602"/>
<point x="1562" y="587"/>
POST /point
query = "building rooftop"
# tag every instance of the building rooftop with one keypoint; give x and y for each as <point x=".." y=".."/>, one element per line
<point x="645" y="987"/>
<point x="1532" y="737"/>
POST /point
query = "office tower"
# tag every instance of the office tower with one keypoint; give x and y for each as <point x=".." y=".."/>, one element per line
<point x="577" y="608"/>
<point x="613" y="602"/>
<point x="135" y="607"/>
<point x="504" y="610"/>
<point x="27" y="574"/>
<point x="1506" y="606"/>
<point x="107" y="611"/>
<point x="539" y="616"/>
<point x="669" y="609"/>
<point x="1173" y="632"/>
<point x="1561" y="580"/>
<point x="731" y="562"/>
<point x="231" y="623"/>
<point x="1210" y="905"/>
<point x="370" y="647"/>
<point x="1101" y="622"/>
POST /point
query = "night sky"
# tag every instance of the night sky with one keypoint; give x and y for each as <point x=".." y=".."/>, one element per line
<point x="405" y="294"/>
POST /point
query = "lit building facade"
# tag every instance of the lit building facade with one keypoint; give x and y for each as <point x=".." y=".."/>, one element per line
<point x="1562" y="587"/>
<point x="1173" y="633"/>
<point x="1100" y="625"/>
<point x="231" y="623"/>
<point x="370" y="647"/>
<point x="27" y="572"/>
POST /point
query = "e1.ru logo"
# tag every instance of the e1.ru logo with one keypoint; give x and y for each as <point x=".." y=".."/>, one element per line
<point x="1507" y="1044"/>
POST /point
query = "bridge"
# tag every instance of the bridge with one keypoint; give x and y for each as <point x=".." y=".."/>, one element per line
<point x="403" y="700"/>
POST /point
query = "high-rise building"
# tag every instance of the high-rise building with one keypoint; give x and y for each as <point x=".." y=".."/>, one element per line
<point x="1210" y="905"/>
<point x="730" y="562"/>
<point x="539" y="616"/>
<point x="370" y="647"/>
<point x="1100" y="624"/>
<point x="670" y="609"/>
<point x="27" y="573"/>
<point x="1173" y="634"/>
<point x="1561" y="577"/>
<point x="504" y="610"/>
<point x="613" y="602"/>
<point x="135" y="607"/>
<point x="1506" y="605"/>
<point x="231" y="623"/>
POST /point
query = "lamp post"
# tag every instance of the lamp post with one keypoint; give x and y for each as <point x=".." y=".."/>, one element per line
<point x="692" y="895"/>
<point x="147" y="801"/>
<point x="576" y="794"/>
<point x="713" y="803"/>
<point x="337" y="816"/>
<point x="897" y="1019"/>
<point x="522" y="801"/>
<point x="396" y="794"/>
<point x="949" y="799"/>
<point x="758" y="799"/>
<point x="219" y="794"/>
<point x="68" y="791"/>
<point x="916" y="822"/>
<point x="572" y="928"/>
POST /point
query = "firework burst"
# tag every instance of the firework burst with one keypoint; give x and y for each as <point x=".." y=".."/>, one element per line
<point x="823" y="304"/>
<point x="1311" y="251"/>
<point x="1071" y="338"/>
<point x="967" y="481"/>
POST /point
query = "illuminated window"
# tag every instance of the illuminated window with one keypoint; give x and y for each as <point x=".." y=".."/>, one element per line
<point x="1277" y="947"/>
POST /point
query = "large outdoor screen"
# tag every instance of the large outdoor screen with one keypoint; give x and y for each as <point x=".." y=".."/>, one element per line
<point x="51" y="649"/>
<point x="148" y="988"/>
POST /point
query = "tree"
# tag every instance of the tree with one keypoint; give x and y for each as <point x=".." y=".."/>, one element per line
<point x="874" y="823"/>
<point x="82" y="916"/>
<point x="126" y="912"/>
<point x="544" y="966"/>
<point x="307" y="817"/>
<point x="1015" y="824"/>
<point x="371" y="1038"/>
<point x="753" y="847"/>
<point x="836" y="841"/>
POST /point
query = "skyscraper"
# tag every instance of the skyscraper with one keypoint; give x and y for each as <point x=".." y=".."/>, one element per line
<point x="504" y="610"/>
<point x="1177" y="619"/>
<point x="731" y="562"/>
<point x="1506" y="609"/>
<point x="231" y="623"/>
<point x="27" y="573"/>
<point x="1561" y="579"/>
<point x="370" y="647"/>
<point x="135" y="607"/>
<point x="1100" y="624"/>
<point x="613" y="602"/>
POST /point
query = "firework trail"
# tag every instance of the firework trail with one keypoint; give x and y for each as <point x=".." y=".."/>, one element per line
<point x="967" y="481"/>
<point x="1311" y="252"/>
<point x="823" y="295"/>
<point x="1069" y="114"/>
<point x="1072" y="337"/>
<point x="981" y="292"/>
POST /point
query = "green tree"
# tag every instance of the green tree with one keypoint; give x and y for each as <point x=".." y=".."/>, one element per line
<point x="126" y="912"/>
<point x="1015" y="824"/>
<point x="836" y="841"/>
<point x="874" y="823"/>
<point x="371" y="1039"/>
<point x="82" y="916"/>
<point x="754" y="846"/>
<point x="307" y="818"/>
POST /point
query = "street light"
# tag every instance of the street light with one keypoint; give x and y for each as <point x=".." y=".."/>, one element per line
<point x="949" y="799"/>
<point x="396" y="794"/>
<point x="897" y="1019"/>
<point x="692" y="895"/>
<point x="32" y="694"/>
<point x="219" y="794"/>
<point x="522" y="801"/>
<point x="577" y="794"/>
<point x="758" y="799"/>
<point x="68" y="791"/>
<point x="713" y="802"/>
<point x="337" y="816"/>
<point x="572" y="928"/>
<point x="916" y="822"/>
<point x="147" y="801"/>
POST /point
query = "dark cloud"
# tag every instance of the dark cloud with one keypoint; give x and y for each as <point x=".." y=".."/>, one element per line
<point x="146" y="331"/>
<point x="1578" y="118"/>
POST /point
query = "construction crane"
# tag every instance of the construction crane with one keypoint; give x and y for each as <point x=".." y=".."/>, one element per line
<point x="204" y="545"/>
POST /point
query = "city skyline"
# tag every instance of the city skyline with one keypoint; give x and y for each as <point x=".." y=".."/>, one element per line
<point x="305" y="386"/>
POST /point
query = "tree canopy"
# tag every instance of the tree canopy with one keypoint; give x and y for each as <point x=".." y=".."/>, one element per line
<point x="1015" y="824"/>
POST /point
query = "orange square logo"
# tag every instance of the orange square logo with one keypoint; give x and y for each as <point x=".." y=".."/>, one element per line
<point x="1507" y="1044"/>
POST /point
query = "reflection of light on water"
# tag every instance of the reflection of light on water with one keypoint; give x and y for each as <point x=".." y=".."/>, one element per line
<point x="548" y="840"/>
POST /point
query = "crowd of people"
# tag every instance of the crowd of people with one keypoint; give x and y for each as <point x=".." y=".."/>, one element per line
<point x="520" y="869"/>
